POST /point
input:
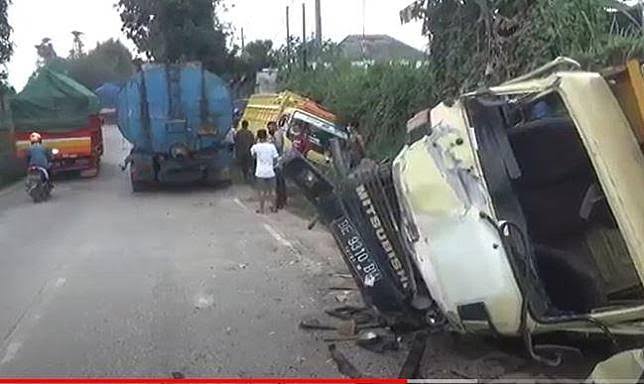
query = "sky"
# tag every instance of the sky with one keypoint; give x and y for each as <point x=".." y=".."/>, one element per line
<point x="260" y="19"/>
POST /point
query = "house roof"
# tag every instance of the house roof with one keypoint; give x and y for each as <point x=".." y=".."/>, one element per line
<point x="378" y="48"/>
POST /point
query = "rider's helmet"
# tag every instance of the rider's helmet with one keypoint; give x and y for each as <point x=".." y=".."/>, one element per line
<point x="35" y="138"/>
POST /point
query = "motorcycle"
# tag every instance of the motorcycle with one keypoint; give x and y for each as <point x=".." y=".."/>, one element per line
<point x="38" y="184"/>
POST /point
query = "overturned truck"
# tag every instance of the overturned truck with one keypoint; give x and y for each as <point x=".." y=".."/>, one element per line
<point x="362" y="213"/>
<point x="514" y="210"/>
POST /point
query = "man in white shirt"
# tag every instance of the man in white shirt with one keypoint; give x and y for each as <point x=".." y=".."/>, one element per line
<point x="266" y="155"/>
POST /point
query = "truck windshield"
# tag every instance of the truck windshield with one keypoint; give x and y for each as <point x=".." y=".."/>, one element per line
<point x="320" y="131"/>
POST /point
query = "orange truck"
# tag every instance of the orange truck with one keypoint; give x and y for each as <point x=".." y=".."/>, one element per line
<point x="78" y="149"/>
<point x="66" y="114"/>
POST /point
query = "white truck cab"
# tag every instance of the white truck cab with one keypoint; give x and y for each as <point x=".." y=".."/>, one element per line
<point x="524" y="205"/>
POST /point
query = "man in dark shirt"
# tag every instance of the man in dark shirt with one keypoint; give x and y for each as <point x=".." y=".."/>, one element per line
<point x="357" y="150"/>
<point x="244" y="140"/>
<point x="277" y="135"/>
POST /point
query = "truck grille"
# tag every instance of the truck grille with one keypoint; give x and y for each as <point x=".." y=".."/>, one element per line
<point x="369" y="196"/>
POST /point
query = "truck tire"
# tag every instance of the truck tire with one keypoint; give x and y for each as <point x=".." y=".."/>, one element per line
<point x="218" y="178"/>
<point x="138" y="186"/>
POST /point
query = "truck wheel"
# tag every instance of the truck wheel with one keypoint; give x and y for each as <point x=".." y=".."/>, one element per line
<point x="138" y="186"/>
<point x="219" y="178"/>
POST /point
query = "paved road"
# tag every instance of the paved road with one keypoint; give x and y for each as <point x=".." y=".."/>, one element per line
<point x="101" y="282"/>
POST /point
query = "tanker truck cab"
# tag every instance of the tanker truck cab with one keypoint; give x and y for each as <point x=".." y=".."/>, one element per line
<point x="321" y="132"/>
<point x="525" y="206"/>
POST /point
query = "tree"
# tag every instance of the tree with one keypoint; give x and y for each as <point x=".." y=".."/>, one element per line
<point x="480" y="42"/>
<point x="77" y="50"/>
<point x="176" y="31"/>
<point x="259" y="54"/>
<point x="109" y="62"/>
<point x="6" y="48"/>
<point x="46" y="52"/>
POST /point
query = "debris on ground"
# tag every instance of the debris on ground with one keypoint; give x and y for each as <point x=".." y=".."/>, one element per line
<point x="385" y="342"/>
<point x="360" y="315"/>
<point x="344" y="328"/>
<point x="344" y="365"/>
<point x="315" y="324"/>
<point x="409" y="369"/>
<point x="343" y="288"/>
<point x="178" y="375"/>
<point x="342" y="275"/>
<point x="342" y="298"/>
<point x="365" y="337"/>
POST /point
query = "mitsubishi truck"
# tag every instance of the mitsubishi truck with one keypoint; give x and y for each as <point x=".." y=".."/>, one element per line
<point x="512" y="211"/>
<point x="522" y="204"/>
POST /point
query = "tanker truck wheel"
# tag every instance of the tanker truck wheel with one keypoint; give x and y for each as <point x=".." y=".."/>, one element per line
<point x="218" y="178"/>
<point x="137" y="185"/>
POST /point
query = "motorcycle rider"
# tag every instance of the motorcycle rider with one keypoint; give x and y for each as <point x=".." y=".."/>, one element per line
<point x="39" y="156"/>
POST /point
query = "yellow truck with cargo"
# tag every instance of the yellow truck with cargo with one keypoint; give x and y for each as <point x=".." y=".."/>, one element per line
<point x="292" y="112"/>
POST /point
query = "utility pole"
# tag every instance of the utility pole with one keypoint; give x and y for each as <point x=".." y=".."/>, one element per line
<point x="318" y="23"/>
<point x="288" y="39"/>
<point x="364" y="16"/>
<point x="364" y="21"/>
<point x="304" y="36"/>
<point x="243" y="40"/>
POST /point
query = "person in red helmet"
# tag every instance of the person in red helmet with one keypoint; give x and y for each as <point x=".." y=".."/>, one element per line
<point x="38" y="155"/>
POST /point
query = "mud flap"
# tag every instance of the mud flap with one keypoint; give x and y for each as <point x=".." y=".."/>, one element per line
<point x="141" y="170"/>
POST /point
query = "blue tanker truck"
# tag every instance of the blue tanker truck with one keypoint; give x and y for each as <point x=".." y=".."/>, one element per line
<point x="178" y="117"/>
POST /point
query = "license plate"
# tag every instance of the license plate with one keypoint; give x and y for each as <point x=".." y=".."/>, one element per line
<point x="354" y="248"/>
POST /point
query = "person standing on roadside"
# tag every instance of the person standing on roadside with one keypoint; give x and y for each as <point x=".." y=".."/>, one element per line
<point x="357" y="150"/>
<point x="244" y="140"/>
<point x="277" y="134"/>
<point x="266" y="155"/>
